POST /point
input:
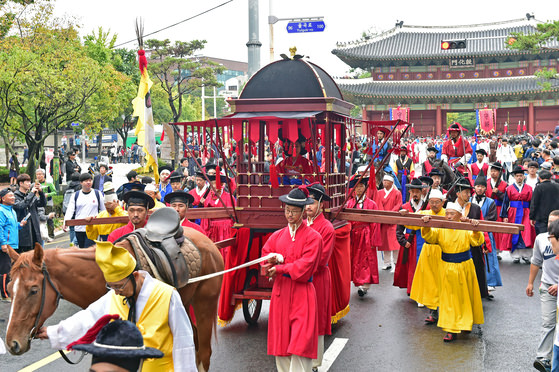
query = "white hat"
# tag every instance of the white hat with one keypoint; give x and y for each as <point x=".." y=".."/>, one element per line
<point x="454" y="206"/>
<point x="362" y="168"/>
<point x="436" y="194"/>
<point x="150" y="187"/>
<point x="388" y="177"/>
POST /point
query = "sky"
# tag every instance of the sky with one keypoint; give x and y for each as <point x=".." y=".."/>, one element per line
<point x="226" y="28"/>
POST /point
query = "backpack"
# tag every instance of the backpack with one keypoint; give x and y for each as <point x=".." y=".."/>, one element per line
<point x="67" y="198"/>
<point x="77" y="194"/>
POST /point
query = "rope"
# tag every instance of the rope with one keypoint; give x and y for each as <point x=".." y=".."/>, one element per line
<point x="253" y="262"/>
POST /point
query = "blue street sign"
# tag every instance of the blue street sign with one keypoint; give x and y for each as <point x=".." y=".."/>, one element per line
<point x="75" y="124"/>
<point x="305" y="26"/>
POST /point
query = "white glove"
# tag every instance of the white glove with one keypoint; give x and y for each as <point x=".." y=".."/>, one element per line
<point x="279" y="258"/>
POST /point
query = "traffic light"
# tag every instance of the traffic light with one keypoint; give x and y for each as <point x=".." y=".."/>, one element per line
<point x="453" y="44"/>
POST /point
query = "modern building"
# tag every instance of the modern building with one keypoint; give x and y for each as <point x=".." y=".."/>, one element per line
<point x="410" y="69"/>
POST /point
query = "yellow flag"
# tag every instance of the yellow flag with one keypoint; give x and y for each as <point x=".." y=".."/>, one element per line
<point x="145" y="129"/>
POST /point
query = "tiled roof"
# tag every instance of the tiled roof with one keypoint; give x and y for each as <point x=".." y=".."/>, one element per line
<point x="419" y="42"/>
<point x="445" y="88"/>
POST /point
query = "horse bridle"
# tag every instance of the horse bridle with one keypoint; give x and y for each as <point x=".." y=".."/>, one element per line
<point x="46" y="278"/>
<point x="33" y="332"/>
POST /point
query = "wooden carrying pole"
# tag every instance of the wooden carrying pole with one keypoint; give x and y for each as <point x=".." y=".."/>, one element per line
<point x="413" y="219"/>
<point x="191" y="214"/>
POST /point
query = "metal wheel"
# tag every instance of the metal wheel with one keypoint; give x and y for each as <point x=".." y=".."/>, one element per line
<point x="251" y="307"/>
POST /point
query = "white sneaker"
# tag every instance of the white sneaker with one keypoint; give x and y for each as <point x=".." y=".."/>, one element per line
<point x="393" y="269"/>
<point x="490" y="288"/>
<point x="420" y="305"/>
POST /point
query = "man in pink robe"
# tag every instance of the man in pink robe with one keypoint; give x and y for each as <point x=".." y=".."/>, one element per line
<point x="293" y="320"/>
<point x="365" y="238"/>
<point x="516" y="209"/>
<point x="321" y="279"/>
<point x="389" y="199"/>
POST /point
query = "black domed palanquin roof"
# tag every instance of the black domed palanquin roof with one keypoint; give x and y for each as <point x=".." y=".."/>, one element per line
<point x="291" y="78"/>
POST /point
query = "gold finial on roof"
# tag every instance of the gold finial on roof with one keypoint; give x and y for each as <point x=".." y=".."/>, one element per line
<point x="293" y="51"/>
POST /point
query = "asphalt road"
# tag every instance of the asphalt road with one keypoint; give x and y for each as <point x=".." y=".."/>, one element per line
<point x="383" y="331"/>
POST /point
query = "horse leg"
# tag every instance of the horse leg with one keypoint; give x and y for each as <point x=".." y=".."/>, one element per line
<point x="205" y="303"/>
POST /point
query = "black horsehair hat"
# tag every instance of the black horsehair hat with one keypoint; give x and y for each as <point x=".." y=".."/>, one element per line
<point x="318" y="192"/>
<point x="175" y="177"/>
<point x="480" y="180"/>
<point x="463" y="183"/>
<point x="298" y="197"/>
<point x="138" y="198"/>
<point x="222" y="178"/>
<point x="426" y="179"/>
<point x="496" y="165"/>
<point x="355" y="180"/>
<point x="117" y="340"/>
<point x="130" y="186"/>
<point x="179" y="197"/>
<point x="518" y="169"/>
<point x="481" y="151"/>
<point x="416" y="184"/>
<point x="431" y="148"/>
<point x="436" y="172"/>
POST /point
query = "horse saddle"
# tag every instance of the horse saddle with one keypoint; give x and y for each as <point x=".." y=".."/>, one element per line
<point x="161" y="240"/>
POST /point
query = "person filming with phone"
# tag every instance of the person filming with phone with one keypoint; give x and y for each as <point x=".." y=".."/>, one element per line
<point x="29" y="196"/>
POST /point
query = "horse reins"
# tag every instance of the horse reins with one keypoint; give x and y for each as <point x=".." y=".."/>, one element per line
<point x="33" y="332"/>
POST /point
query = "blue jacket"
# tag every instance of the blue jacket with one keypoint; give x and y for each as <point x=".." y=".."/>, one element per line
<point x="9" y="226"/>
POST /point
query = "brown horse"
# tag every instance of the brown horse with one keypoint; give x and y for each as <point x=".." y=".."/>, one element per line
<point x="40" y="278"/>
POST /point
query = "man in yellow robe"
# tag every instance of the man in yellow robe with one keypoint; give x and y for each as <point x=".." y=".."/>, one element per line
<point x="155" y="307"/>
<point x="426" y="281"/>
<point x="112" y="209"/>
<point x="459" y="297"/>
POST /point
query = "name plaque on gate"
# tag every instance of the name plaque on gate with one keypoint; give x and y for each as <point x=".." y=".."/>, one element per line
<point x="461" y="62"/>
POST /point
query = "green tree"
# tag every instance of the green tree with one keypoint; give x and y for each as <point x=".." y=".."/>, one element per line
<point x="49" y="81"/>
<point x="8" y="14"/>
<point x="547" y="33"/>
<point x="466" y="119"/>
<point x="179" y="72"/>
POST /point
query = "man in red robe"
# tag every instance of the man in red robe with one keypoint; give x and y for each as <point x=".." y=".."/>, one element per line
<point x="180" y="201"/>
<point x="294" y="167"/>
<point x="496" y="188"/>
<point x="200" y="191"/>
<point x="389" y="199"/>
<point x="516" y="209"/>
<point x="428" y="164"/>
<point x="456" y="148"/>
<point x="365" y="238"/>
<point x="293" y="320"/>
<point x="321" y="279"/>
<point x="480" y="165"/>
<point x="138" y="203"/>
<point x="408" y="239"/>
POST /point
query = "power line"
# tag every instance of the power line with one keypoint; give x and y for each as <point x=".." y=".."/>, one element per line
<point x="175" y="24"/>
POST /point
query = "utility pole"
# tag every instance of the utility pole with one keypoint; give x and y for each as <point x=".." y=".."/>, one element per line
<point x="253" y="43"/>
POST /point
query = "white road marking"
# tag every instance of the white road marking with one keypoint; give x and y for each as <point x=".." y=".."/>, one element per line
<point x="14" y="291"/>
<point x="332" y="353"/>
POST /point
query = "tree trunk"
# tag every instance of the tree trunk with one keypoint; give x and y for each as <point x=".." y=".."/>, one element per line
<point x="99" y="145"/>
<point x="34" y="148"/>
